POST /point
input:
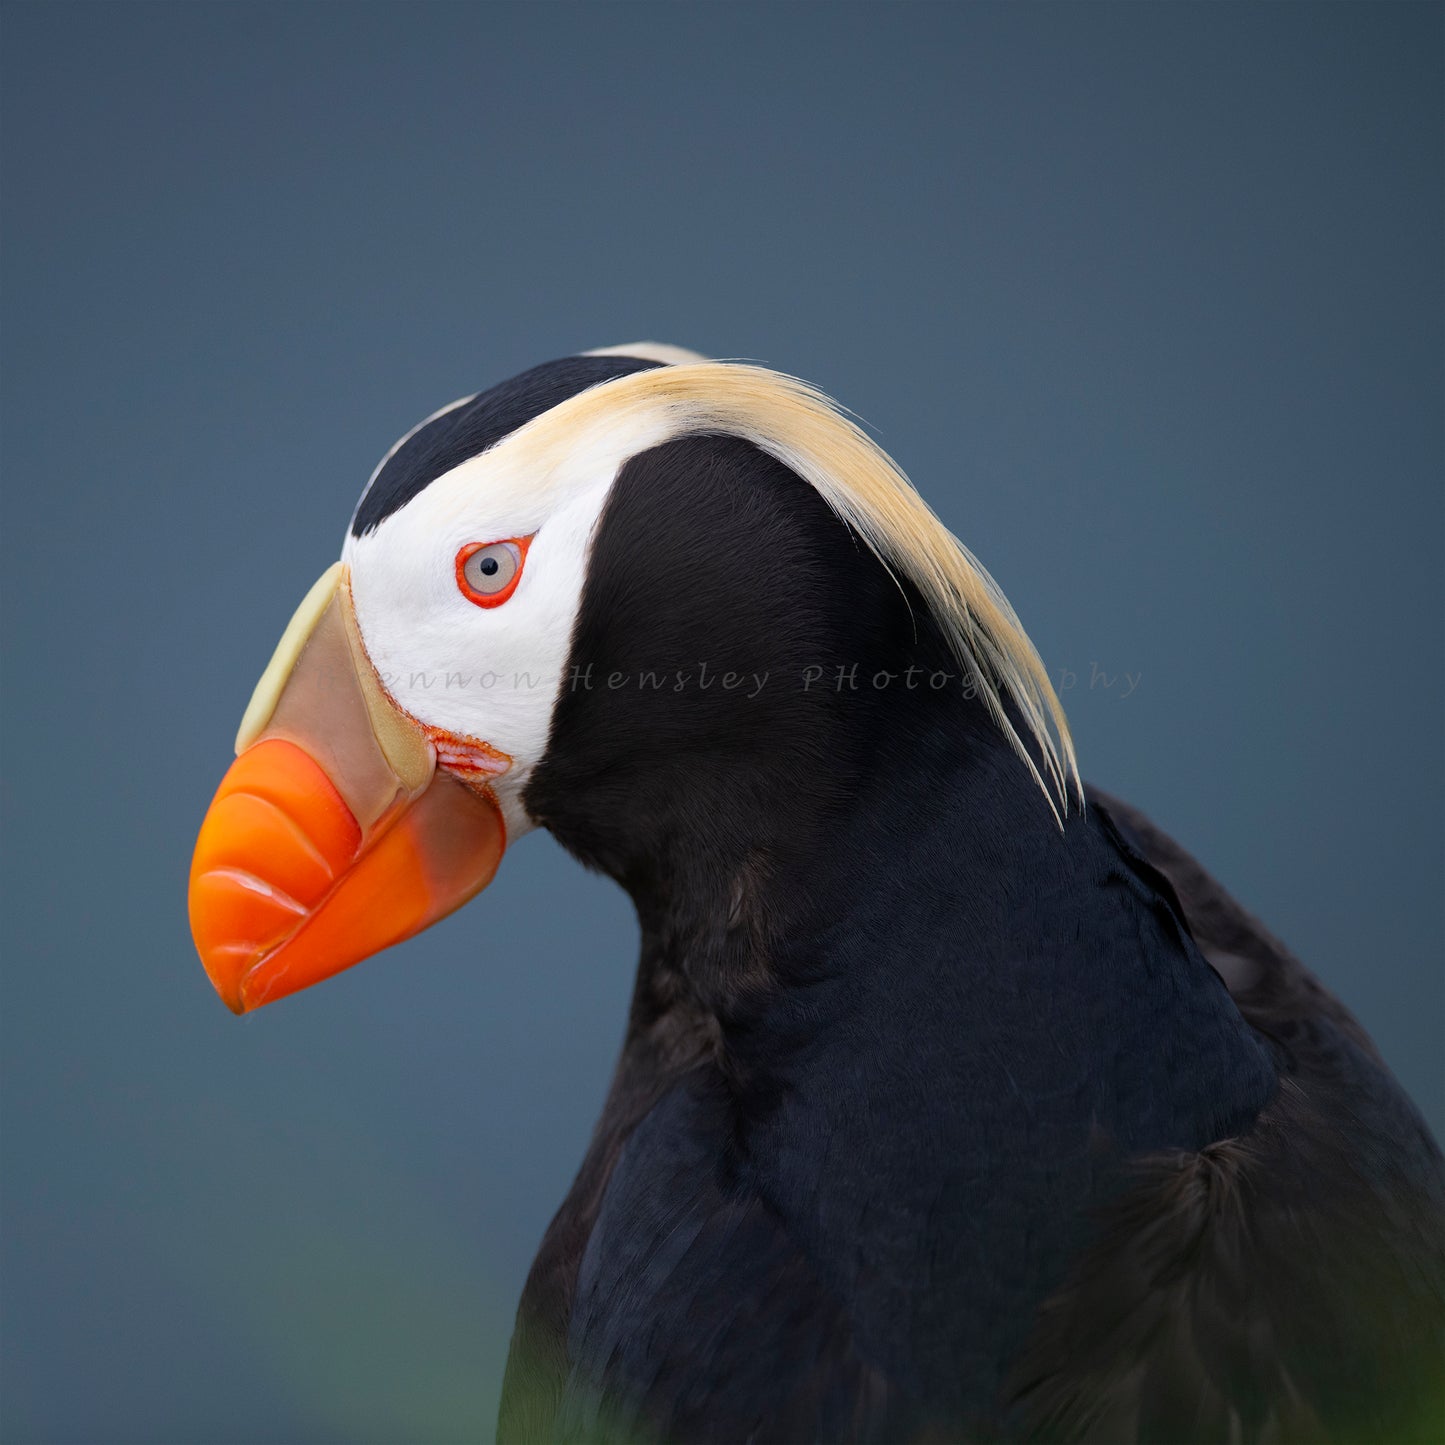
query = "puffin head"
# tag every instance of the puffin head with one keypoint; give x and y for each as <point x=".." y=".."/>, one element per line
<point x="627" y="596"/>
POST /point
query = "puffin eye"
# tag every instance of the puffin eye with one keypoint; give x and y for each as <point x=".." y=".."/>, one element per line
<point x="488" y="572"/>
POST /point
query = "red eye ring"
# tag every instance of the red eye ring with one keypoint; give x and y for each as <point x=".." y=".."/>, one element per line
<point x="518" y="545"/>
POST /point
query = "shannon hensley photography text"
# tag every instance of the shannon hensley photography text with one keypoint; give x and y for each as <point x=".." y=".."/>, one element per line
<point x="704" y="676"/>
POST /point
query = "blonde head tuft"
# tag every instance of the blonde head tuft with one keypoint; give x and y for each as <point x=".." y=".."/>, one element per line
<point x="806" y="431"/>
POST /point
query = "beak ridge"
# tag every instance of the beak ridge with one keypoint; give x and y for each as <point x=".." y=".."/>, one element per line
<point x="332" y="835"/>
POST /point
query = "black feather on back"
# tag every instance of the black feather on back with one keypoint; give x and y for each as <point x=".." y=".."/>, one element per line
<point x="1286" y="1285"/>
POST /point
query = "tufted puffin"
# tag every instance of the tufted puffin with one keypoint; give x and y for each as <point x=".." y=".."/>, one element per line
<point x="956" y="1102"/>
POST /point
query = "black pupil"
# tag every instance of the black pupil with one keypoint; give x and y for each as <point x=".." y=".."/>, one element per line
<point x="489" y="567"/>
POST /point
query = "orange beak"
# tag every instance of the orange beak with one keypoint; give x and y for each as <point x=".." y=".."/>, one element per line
<point x="332" y="835"/>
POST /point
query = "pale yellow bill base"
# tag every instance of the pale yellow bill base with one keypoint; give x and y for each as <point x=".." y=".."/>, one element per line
<point x="333" y="835"/>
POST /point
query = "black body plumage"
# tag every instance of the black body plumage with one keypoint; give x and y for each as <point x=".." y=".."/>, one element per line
<point x="933" y="1121"/>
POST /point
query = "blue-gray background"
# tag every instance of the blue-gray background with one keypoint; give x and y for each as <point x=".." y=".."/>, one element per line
<point x="1148" y="301"/>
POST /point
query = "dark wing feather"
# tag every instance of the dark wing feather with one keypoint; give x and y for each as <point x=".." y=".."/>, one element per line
<point x="1284" y="1286"/>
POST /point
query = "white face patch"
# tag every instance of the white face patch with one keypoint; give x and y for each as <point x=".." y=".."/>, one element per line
<point x="491" y="674"/>
<point x="485" y="673"/>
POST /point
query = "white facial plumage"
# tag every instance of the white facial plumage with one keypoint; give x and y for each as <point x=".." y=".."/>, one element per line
<point x="489" y="674"/>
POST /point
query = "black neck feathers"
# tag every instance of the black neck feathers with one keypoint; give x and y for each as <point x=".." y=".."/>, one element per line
<point x="720" y="707"/>
<point x="765" y="740"/>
